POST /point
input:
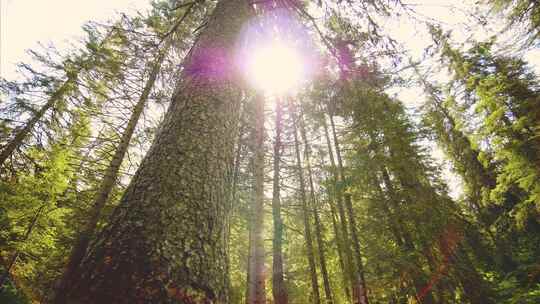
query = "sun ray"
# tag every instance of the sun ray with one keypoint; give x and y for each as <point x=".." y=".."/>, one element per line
<point x="275" y="68"/>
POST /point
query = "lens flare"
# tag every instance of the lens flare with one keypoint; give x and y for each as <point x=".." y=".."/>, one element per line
<point x="275" y="68"/>
<point x="276" y="54"/>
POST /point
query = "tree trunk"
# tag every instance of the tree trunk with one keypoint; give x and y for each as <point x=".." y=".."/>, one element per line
<point x="339" y="247"/>
<point x="305" y="211"/>
<point x="164" y="242"/>
<point x="359" y="289"/>
<point x="279" y="290"/>
<point x="109" y="180"/>
<point x="345" y="248"/>
<point x="404" y="240"/>
<point x="57" y="95"/>
<point x="256" y="283"/>
<point x="19" y="137"/>
<point x="313" y="205"/>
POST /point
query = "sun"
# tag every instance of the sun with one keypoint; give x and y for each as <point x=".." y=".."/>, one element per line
<point x="275" y="68"/>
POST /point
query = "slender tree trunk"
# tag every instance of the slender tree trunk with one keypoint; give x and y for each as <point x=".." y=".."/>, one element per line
<point x="256" y="283"/>
<point x="109" y="180"/>
<point x="345" y="248"/>
<point x="339" y="248"/>
<point x="313" y="205"/>
<point x="19" y="137"/>
<point x="279" y="289"/>
<point x="305" y="211"/>
<point x="57" y="95"/>
<point x="404" y="240"/>
<point x="164" y="242"/>
<point x="360" y="290"/>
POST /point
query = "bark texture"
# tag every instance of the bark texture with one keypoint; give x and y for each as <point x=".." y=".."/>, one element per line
<point x="256" y="282"/>
<point x="109" y="180"/>
<point x="164" y="243"/>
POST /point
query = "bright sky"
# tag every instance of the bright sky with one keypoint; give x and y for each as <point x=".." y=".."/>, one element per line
<point x="24" y="23"/>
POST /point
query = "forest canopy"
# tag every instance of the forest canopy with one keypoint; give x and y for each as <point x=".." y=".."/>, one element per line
<point x="277" y="151"/>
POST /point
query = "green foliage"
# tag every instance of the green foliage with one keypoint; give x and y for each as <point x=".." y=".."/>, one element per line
<point x="480" y="248"/>
<point x="35" y="219"/>
<point x="10" y="295"/>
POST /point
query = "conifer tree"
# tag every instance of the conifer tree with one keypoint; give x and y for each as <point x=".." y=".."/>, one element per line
<point x="165" y="239"/>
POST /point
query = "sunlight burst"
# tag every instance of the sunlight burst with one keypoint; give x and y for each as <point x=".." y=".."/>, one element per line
<point x="275" y="68"/>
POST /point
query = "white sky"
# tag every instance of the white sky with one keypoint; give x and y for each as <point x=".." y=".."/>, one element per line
<point x="24" y="23"/>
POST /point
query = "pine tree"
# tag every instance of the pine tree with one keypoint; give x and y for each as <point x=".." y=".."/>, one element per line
<point x="256" y="283"/>
<point x="305" y="209"/>
<point x="165" y="239"/>
<point x="279" y="290"/>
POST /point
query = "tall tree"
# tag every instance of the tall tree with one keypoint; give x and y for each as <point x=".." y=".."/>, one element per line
<point x="305" y="208"/>
<point x="256" y="282"/>
<point x="165" y="239"/>
<point x="508" y="101"/>
<point x="111" y="175"/>
<point x="342" y="235"/>
<point x="313" y="207"/>
<point x="359" y="290"/>
<point x="97" y="55"/>
<point x="279" y="290"/>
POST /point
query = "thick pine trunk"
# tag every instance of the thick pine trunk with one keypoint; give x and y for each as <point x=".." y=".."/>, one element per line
<point x="313" y="205"/>
<point x="279" y="290"/>
<point x="256" y="283"/>
<point x="164" y="242"/>
<point x="305" y="211"/>
<point x="109" y="180"/>
<point x="359" y="290"/>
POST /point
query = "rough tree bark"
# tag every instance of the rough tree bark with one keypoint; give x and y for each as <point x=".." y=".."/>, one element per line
<point x="279" y="290"/>
<point x="305" y="210"/>
<point x="256" y="283"/>
<point x="109" y="180"/>
<point x="164" y="242"/>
